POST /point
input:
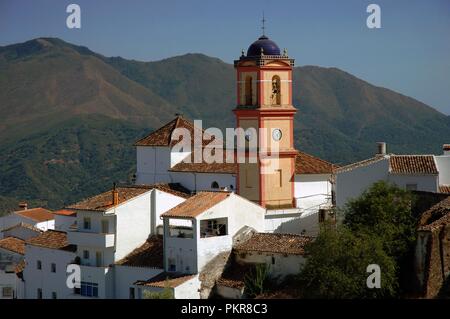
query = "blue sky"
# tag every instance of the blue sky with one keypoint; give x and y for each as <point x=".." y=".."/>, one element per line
<point x="409" y="54"/>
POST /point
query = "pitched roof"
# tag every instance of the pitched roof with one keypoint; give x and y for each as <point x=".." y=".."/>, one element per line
<point x="444" y="189"/>
<point x="412" y="164"/>
<point x="362" y="163"/>
<point x="435" y="217"/>
<point x="165" y="279"/>
<point x="23" y="225"/>
<point x="309" y="164"/>
<point x="13" y="244"/>
<point x="52" y="239"/>
<point x="204" y="167"/>
<point x="104" y="201"/>
<point x="197" y="204"/>
<point x="274" y="243"/>
<point x="163" y="135"/>
<point x="304" y="164"/>
<point x="37" y="214"/>
<point x="150" y="254"/>
<point x="234" y="275"/>
<point x="65" y="212"/>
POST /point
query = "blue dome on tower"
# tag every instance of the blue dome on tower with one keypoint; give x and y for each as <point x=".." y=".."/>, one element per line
<point x="269" y="47"/>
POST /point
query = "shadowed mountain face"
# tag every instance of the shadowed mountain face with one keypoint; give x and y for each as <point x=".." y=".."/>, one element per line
<point x="69" y="116"/>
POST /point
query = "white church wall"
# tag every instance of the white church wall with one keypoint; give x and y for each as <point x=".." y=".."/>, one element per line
<point x="152" y="164"/>
<point x="203" y="181"/>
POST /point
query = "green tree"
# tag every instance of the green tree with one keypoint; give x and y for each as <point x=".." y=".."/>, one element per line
<point x="384" y="210"/>
<point x="167" y="293"/>
<point x="337" y="263"/>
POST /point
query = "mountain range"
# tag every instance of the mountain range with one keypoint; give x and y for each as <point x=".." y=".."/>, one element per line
<point x="69" y="116"/>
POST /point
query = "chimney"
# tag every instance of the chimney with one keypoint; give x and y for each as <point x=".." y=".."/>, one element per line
<point x="381" y="146"/>
<point x="23" y="206"/>
<point x="446" y="149"/>
<point x="115" y="196"/>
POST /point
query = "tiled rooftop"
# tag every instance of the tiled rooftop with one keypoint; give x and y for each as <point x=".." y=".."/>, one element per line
<point x="288" y="244"/>
<point x="36" y="214"/>
<point x="104" y="201"/>
<point x="412" y="164"/>
<point x="309" y="164"/>
<point x="13" y="244"/>
<point x="150" y="254"/>
<point x="435" y="217"/>
<point x="197" y="204"/>
<point x="52" y="239"/>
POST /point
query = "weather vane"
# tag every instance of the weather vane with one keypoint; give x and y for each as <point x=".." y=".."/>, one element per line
<point x="263" y="25"/>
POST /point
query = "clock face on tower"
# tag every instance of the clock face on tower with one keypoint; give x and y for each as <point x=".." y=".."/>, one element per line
<point x="276" y="134"/>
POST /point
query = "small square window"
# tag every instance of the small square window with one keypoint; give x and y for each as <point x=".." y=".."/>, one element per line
<point x="53" y="267"/>
<point x="86" y="254"/>
<point x="39" y="265"/>
<point x="7" y="292"/>
<point x="54" y="296"/>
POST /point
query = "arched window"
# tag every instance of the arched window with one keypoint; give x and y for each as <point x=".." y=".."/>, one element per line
<point x="248" y="91"/>
<point x="214" y="185"/>
<point x="276" y="90"/>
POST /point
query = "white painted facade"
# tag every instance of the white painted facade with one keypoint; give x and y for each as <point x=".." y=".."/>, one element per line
<point x="197" y="181"/>
<point x="352" y="182"/>
<point x="279" y="265"/>
<point x="190" y="255"/>
<point x="14" y="219"/>
<point x="443" y="165"/>
<point x="63" y="222"/>
<point x="126" y="276"/>
<point x="44" y="280"/>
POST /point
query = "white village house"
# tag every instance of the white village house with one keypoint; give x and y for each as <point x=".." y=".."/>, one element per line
<point x="430" y="173"/>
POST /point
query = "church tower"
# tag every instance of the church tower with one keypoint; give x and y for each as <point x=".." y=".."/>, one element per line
<point x="264" y="100"/>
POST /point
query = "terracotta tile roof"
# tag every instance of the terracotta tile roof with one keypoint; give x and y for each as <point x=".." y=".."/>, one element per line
<point x="150" y="254"/>
<point x="163" y="135"/>
<point x="435" y="217"/>
<point x="172" y="188"/>
<point x="52" y="239"/>
<point x="304" y="164"/>
<point x="412" y="164"/>
<point x="13" y="244"/>
<point x="197" y="204"/>
<point x="23" y="225"/>
<point x="444" y="189"/>
<point x="37" y="214"/>
<point x="166" y="279"/>
<point x="308" y="164"/>
<point x="65" y="212"/>
<point x="274" y="243"/>
<point x="216" y="168"/>
<point x="104" y="201"/>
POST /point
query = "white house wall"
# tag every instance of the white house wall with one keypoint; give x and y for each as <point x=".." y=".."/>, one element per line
<point x="443" y="166"/>
<point x="133" y="224"/>
<point x="350" y="184"/>
<point x="427" y="183"/>
<point x="203" y="181"/>
<point x="162" y="203"/>
<point x="63" y="222"/>
<point x="126" y="276"/>
<point x="46" y="280"/>
<point x="9" y="260"/>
